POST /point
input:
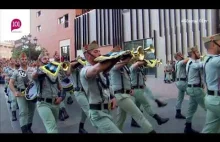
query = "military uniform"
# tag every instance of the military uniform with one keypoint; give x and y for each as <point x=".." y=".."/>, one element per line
<point x="12" y="98"/>
<point x="121" y="86"/>
<point x="181" y="84"/>
<point x="212" y="80"/>
<point x="99" y="112"/>
<point x="81" y="98"/>
<point x="26" y="108"/>
<point x="137" y="83"/>
<point x="194" y="90"/>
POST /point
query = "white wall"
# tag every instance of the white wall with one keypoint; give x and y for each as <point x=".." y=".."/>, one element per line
<point x="154" y="23"/>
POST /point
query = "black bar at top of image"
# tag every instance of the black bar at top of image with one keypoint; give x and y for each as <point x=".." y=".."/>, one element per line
<point x="97" y="26"/>
<point x="100" y="27"/>
<point x="143" y="23"/>
<point x="131" y="21"/>
<point x="104" y="19"/>
<point x="88" y="28"/>
<point x="137" y="24"/>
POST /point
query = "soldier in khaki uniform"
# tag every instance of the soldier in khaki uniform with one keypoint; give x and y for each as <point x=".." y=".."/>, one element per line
<point x="212" y="79"/>
<point x="12" y="98"/>
<point x="49" y="95"/>
<point x="62" y="75"/>
<point x="121" y="86"/>
<point x="194" y="87"/>
<point x="138" y="84"/>
<point x="99" y="101"/>
<point x="168" y="72"/>
<point x="26" y="108"/>
<point x="79" y="93"/>
<point x="181" y="84"/>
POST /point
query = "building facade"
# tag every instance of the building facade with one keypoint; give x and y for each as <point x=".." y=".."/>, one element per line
<point x="54" y="30"/>
<point x="168" y="30"/>
<point x="5" y="49"/>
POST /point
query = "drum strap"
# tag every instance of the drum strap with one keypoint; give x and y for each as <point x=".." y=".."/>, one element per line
<point x="77" y="78"/>
<point x="98" y="81"/>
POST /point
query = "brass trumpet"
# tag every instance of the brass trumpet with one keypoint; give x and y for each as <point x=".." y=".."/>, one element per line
<point x="202" y="57"/>
<point x="149" y="49"/>
<point x="65" y="65"/>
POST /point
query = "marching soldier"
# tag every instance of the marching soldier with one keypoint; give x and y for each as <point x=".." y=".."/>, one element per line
<point x="121" y="86"/>
<point x="99" y="105"/>
<point x="79" y="92"/>
<point x="212" y="77"/>
<point x="26" y="108"/>
<point x="194" y="87"/>
<point x="181" y="83"/>
<point x="62" y="112"/>
<point x="138" y="84"/>
<point x="49" y="95"/>
<point x="13" y="100"/>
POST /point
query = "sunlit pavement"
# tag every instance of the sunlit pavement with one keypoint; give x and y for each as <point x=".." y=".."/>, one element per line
<point x="165" y="92"/>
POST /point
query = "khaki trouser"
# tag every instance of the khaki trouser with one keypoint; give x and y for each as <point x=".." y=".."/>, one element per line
<point x="68" y="94"/>
<point x="82" y="99"/>
<point x="49" y="114"/>
<point x="212" y="124"/>
<point x="196" y="98"/>
<point x="140" y="99"/>
<point x="102" y="120"/>
<point x="148" y="93"/>
<point x="181" y="85"/>
<point x="26" y="111"/>
<point x="126" y="105"/>
<point x="13" y="100"/>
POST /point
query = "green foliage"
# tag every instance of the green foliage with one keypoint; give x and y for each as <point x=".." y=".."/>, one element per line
<point x="33" y="53"/>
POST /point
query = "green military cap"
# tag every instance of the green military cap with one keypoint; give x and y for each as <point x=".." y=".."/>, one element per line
<point x="211" y="38"/>
<point x="93" y="45"/>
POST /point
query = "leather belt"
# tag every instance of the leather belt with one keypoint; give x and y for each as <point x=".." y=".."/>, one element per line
<point x="78" y="89"/>
<point x="68" y="89"/>
<point x="48" y="100"/>
<point x="194" y="85"/>
<point x="181" y="79"/>
<point x="138" y="87"/>
<point x="122" y="91"/>
<point x="212" y="93"/>
<point x="20" y="90"/>
<point x="98" y="106"/>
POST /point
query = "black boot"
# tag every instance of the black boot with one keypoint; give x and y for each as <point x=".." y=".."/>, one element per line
<point x="65" y="114"/>
<point x="81" y="128"/>
<point x="160" y="103"/>
<point x="134" y="123"/>
<point x="9" y="101"/>
<point x="69" y="100"/>
<point x="61" y="116"/>
<point x="152" y="132"/>
<point x="160" y="120"/>
<point x="188" y="128"/>
<point x="29" y="128"/>
<point x="14" y="118"/>
<point x="24" y="129"/>
<point x="179" y="115"/>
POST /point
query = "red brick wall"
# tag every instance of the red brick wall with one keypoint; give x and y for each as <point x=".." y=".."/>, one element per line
<point x="52" y="32"/>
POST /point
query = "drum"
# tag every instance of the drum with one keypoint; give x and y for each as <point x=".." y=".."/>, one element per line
<point x="67" y="85"/>
<point x="31" y="92"/>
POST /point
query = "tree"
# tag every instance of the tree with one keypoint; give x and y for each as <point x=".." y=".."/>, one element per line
<point x="17" y="51"/>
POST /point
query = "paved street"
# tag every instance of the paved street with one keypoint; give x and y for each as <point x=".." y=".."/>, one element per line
<point x="166" y="92"/>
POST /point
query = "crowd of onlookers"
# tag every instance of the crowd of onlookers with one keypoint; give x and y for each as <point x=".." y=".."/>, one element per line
<point x="169" y="72"/>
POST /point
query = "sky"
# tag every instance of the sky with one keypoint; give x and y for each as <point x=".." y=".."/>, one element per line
<point x="6" y="16"/>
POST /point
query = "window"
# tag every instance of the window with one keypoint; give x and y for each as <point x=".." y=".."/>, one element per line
<point x="144" y="43"/>
<point x="38" y="13"/>
<point x="64" y="20"/>
<point x="39" y="28"/>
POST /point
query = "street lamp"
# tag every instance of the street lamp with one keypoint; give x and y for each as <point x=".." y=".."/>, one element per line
<point x="35" y="41"/>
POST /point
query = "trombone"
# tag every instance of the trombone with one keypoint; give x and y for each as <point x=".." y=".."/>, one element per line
<point x="66" y="65"/>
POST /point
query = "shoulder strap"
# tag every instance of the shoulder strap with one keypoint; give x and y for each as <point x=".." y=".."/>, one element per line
<point x="98" y="80"/>
<point x="204" y="70"/>
<point x="188" y="69"/>
<point x="77" y="78"/>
